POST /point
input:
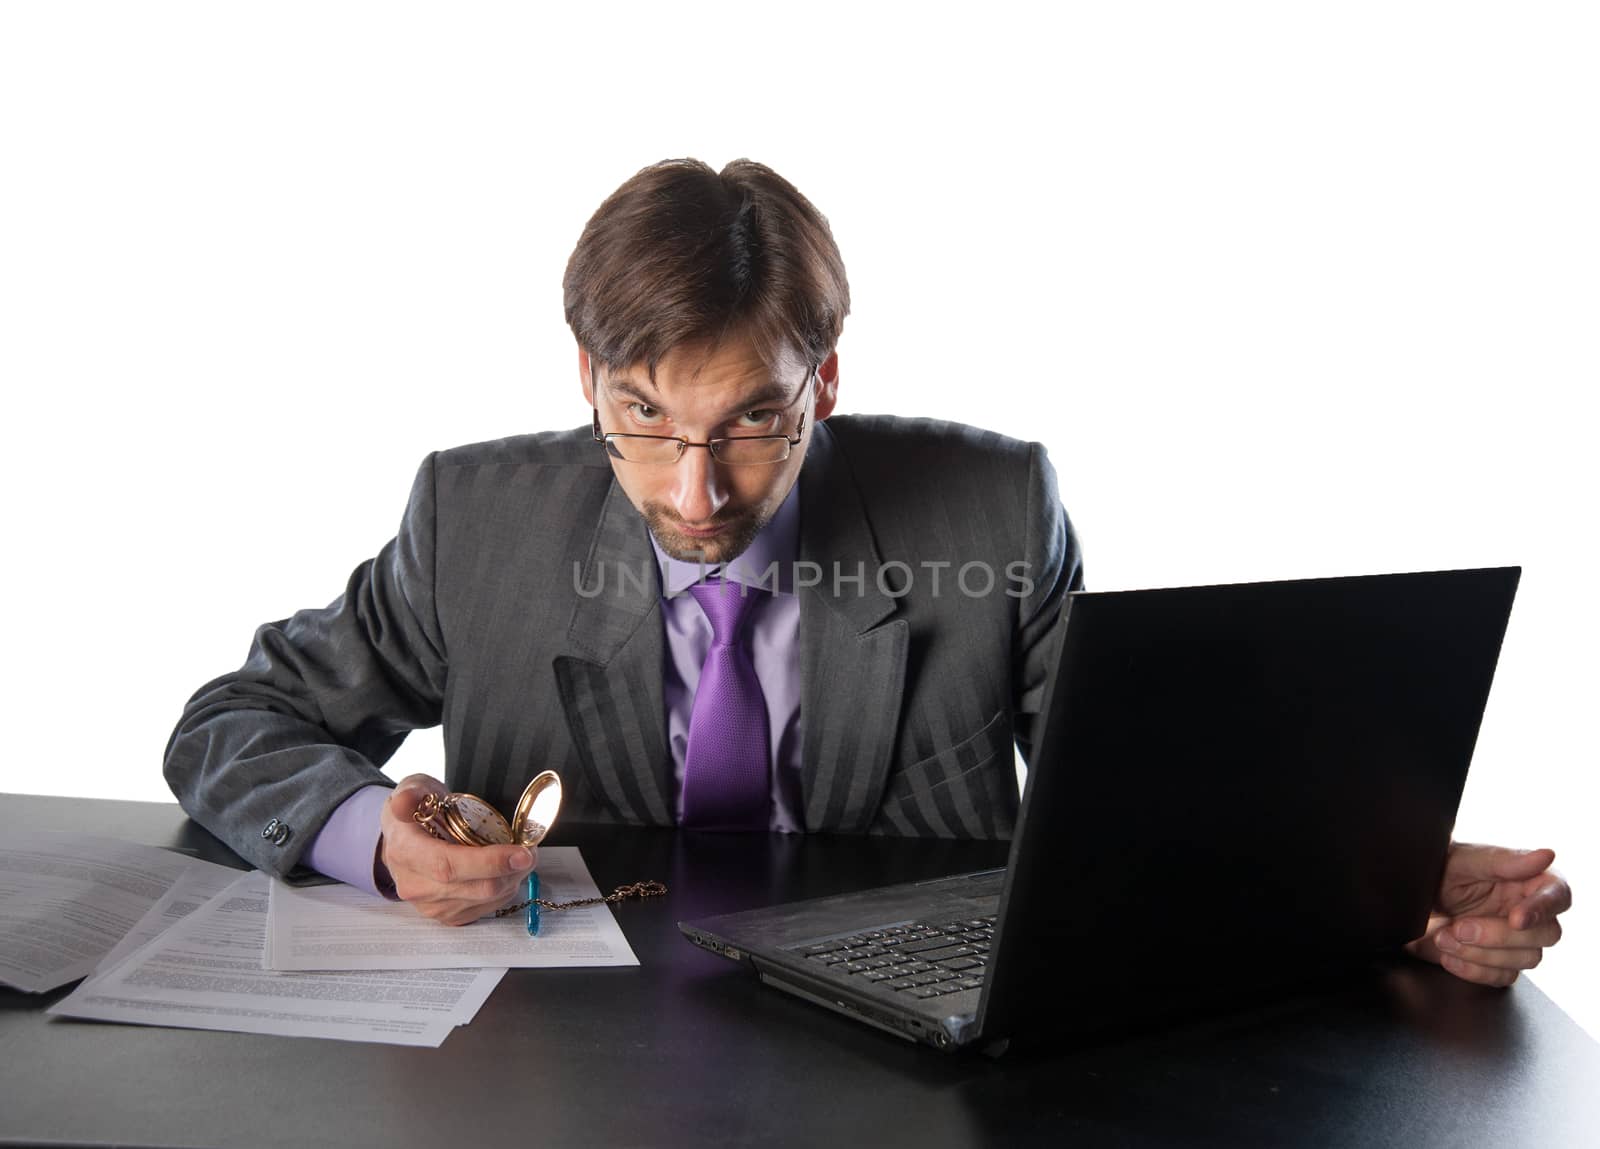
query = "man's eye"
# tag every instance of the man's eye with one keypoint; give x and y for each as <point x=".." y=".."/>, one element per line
<point x="644" y="413"/>
<point x="753" y="419"/>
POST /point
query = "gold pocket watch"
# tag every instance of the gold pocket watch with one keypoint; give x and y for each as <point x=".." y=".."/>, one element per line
<point x="469" y="820"/>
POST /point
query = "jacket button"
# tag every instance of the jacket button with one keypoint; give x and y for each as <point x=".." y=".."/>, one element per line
<point x="281" y="836"/>
<point x="270" y="829"/>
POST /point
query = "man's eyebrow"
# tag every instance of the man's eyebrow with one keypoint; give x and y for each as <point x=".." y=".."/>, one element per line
<point x="770" y="393"/>
<point x="628" y="388"/>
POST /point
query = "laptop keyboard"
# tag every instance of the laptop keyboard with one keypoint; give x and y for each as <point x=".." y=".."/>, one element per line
<point x="921" y="959"/>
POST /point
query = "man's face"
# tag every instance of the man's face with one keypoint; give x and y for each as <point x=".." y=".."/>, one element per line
<point x="698" y="509"/>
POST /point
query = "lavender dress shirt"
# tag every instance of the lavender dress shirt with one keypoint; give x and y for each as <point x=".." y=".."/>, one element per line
<point x="346" y="848"/>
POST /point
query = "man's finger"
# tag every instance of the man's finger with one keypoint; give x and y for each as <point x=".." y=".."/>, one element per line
<point x="1551" y="898"/>
<point x="490" y="893"/>
<point x="1494" y="933"/>
<point x="1481" y="974"/>
<point x="447" y="913"/>
<point x="467" y="916"/>
<point x="464" y="912"/>
<point x="1496" y="863"/>
<point x="1494" y="957"/>
<point x="447" y="862"/>
<point x="514" y="859"/>
<point x="408" y="795"/>
<point x="462" y="900"/>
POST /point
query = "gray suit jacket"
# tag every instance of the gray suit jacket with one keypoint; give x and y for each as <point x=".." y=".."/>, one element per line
<point x="482" y="614"/>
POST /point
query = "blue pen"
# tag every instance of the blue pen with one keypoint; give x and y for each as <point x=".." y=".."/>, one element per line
<point x="533" y="905"/>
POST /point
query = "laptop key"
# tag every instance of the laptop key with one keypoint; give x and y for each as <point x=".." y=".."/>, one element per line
<point x="901" y="983"/>
<point x="941" y="955"/>
<point x="961" y="963"/>
<point x="820" y="948"/>
<point x="938" y="941"/>
<point x="923" y="991"/>
<point x="968" y="983"/>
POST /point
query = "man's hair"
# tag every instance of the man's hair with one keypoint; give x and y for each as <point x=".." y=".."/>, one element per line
<point x="683" y="254"/>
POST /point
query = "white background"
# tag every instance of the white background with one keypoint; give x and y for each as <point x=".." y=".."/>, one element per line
<point x="1288" y="290"/>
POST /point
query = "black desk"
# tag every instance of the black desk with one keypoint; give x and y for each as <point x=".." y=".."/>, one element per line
<point x="688" y="1049"/>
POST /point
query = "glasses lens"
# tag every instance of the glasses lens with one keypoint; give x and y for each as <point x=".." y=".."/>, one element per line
<point x="762" y="449"/>
<point x="643" y="448"/>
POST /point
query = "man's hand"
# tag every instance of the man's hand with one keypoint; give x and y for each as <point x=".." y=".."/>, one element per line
<point x="449" y="883"/>
<point x="1494" y="914"/>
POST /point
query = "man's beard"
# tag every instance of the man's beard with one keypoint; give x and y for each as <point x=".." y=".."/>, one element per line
<point x="731" y="542"/>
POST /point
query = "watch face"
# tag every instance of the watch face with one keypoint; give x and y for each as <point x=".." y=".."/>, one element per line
<point x="482" y="820"/>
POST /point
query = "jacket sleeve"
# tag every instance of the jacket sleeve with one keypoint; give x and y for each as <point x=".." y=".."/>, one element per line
<point x="1055" y="568"/>
<point x="261" y="757"/>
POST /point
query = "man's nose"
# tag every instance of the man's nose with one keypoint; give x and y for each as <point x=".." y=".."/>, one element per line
<point x="699" y="490"/>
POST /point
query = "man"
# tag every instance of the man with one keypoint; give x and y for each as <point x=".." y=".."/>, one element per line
<point x="714" y="606"/>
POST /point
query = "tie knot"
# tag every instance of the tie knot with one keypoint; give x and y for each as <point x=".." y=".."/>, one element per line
<point x="727" y="604"/>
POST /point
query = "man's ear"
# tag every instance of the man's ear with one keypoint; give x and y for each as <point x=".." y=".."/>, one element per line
<point x="828" y="392"/>
<point x="585" y="379"/>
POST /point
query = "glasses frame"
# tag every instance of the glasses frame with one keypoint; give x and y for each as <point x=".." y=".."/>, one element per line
<point x="712" y="445"/>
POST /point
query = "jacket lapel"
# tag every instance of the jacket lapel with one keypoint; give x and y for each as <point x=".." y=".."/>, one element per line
<point x="852" y="652"/>
<point x="610" y="684"/>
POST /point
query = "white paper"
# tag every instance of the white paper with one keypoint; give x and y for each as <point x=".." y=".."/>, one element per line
<point x="67" y="899"/>
<point x="196" y="886"/>
<point x="204" y="972"/>
<point x="343" y="928"/>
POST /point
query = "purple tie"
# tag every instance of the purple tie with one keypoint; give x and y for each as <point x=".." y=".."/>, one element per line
<point x="726" y="764"/>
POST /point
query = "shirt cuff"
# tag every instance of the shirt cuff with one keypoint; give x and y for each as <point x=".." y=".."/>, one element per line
<point x="346" y="848"/>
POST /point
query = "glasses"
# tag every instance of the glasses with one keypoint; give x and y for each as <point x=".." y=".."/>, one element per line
<point x="743" y="451"/>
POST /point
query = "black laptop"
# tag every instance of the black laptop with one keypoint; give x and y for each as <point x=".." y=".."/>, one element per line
<point x="1235" y="789"/>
